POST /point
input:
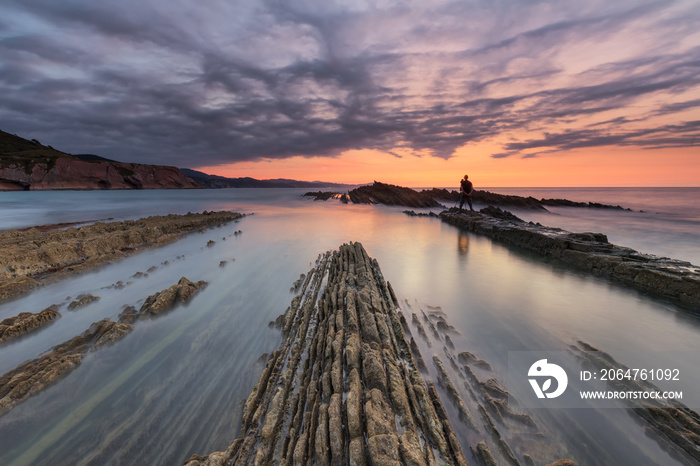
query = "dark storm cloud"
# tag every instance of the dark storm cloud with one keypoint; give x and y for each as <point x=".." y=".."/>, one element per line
<point x="683" y="135"/>
<point x="213" y="83"/>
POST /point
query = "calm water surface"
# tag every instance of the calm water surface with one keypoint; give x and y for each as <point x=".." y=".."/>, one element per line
<point x="175" y="385"/>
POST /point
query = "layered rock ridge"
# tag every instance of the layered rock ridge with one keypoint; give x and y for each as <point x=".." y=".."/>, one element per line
<point x="343" y="387"/>
<point x="31" y="377"/>
<point x="26" y="322"/>
<point x="389" y="194"/>
<point x="670" y="279"/>
<point x="32" y="257"/>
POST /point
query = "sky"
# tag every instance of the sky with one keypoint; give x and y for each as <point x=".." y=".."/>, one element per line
<point x="417" y="93"/>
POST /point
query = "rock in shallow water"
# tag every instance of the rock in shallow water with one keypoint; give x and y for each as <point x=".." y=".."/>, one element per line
<point x="33" y="376"/>
<point x="357" y="337"/>
<point x="26" y="322"/>
<point x="671" y="279"/>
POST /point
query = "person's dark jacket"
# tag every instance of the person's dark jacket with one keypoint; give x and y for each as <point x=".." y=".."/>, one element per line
<point x="467" y="187"/>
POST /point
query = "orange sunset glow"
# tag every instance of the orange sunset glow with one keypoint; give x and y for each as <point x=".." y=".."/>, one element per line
<point x="605" y="167"/>
<point x="515" y="94"/>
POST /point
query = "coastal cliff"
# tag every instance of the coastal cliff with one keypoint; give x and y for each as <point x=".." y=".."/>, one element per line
<point x="29" y="165"/>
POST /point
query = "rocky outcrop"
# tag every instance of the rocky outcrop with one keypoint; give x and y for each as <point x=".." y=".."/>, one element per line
<point x="165" y="300"/>
<point x="343" y="386"/>
<point x="387" y="194"/>
<point x="325" y="195"/>
<point x="32" y="257"/>
<point x="26" y="322"/>
<point x="568" y="203"/>
<point x="33" y="376"/>
<point x="674" y="426"/>
<point x="670" y="279"/>
<point x="82" y="301"/>
<point x="412" y="213"/>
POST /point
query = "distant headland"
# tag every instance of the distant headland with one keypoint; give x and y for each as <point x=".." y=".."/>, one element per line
<point x="28" y="165"/>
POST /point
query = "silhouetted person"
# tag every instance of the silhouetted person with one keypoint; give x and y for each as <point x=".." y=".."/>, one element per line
<point x="466" y="188"/>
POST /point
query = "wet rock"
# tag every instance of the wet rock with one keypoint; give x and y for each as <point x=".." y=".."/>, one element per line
<point x="211" y="243"/>
<point x="418" y="357"/>
<point x="335" y="429"/>
<point x="448" y="342"/>
<point x="373" y="369"/>
<point x="223" y="263"/>
<point x="26" y="322"/>
<point x="446" y="382"/>
<point x="354" y="406"/>
<point x="412" y="213"/>
<point x="345" y="325"/>
<point x="33" y="376"/>
<point x="494" y="389"/>
<point x="357" y="452"/>
<point x="674" y="426"/>
<point x="671" y="279"/>
<point x="129" y="315"/>
<point x="152" y="269"/>
<point x="278" y="323"/>
<point x="469" y="358"/>
<point x="384" y="450"/>
<point x="564" y="463"/>
<point x="410" y="450"/>
<point x="495" y="212"/>
<point x="568" y="203"/>
<point x="421" y="330"/>
<point x="381" y="193"/>
<point x="484" y="455"/>
<point x="322" y="195"/>
<point x="82" y="301"/>
<point x="444" y="327"/>
<point x="380" y="418"/>
<point x="31" y="258"/>
<point x="165" y="300"/>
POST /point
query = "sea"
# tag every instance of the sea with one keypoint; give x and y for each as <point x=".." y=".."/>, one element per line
<point x="175" y="386"/>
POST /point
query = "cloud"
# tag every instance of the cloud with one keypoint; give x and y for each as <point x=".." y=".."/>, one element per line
<point x="184" y="84"/>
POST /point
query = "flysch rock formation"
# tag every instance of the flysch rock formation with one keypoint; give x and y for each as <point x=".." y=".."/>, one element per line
<point x="497" y="433"/>
<point x="32" y="257"/>
<point x="674" y="280"/>
<point x="343" y="386"/>
<point x="33" y="376"/>
<point x="674" y="426"/>
<point x="388" y="194"/>
<point x="26" y="322"/>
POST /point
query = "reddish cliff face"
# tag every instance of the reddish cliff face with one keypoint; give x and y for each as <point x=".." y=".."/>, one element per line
<point x="68" y="173"/>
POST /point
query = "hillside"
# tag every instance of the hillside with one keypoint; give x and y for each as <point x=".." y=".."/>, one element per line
<point x="217" y="182"/>
<point x="29" y="165"/>
<point x="15" y="150"/>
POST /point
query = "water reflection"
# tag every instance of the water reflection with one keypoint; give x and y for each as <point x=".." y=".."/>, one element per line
<point x="174" y="386"/>
<point x="462" y="243"/>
